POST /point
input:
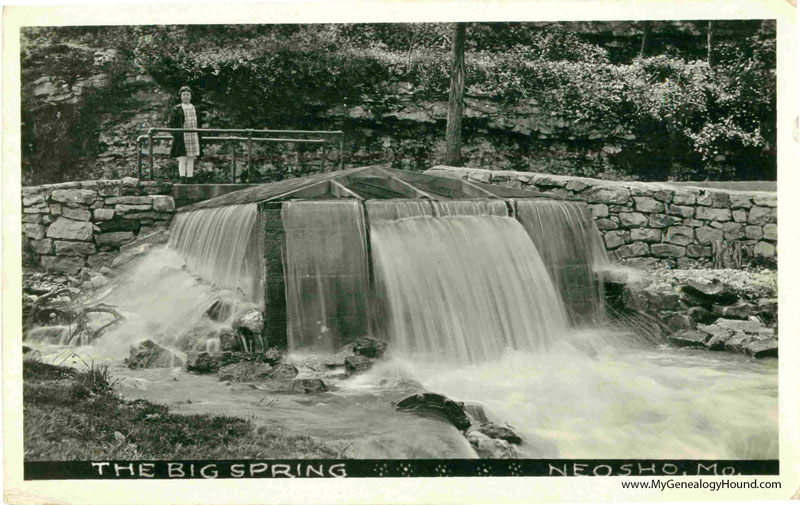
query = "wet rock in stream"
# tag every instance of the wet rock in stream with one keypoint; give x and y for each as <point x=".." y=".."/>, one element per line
<point x="148" y="354"/>
<point x="494" y="430"/>
<point x="438" y="405"/>
<point x="246" y="371"/>
<point x="357" y="364"/>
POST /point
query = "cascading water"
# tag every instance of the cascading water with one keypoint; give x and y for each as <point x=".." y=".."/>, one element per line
<point x="572" y="251"/>
<point x="462" y="287"/>
<point x="481" y="296"/>
<point x="217" y="244"/>
<point x="326" y="274"/>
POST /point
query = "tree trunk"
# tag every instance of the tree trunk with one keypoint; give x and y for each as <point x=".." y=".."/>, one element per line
<point x="726" y="254"/>
<point x="645" y="39"/>
<point x="456" y="102"/>
<point x="709" y="44"/>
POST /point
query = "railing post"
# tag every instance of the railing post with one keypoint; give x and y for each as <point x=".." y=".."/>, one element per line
<point x="341" y="152"/>
<point x="150" y="145"/>
<point x="139" y="155"/>
<point x="233" y="162"/>
<point x="249" y="150"/>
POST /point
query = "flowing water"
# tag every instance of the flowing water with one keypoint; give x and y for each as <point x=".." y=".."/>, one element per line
<point x="471" y="302"/>
<point x="326" y="273"/>
<point x="460" y="287"/>
<point x="219" y="245"/>
<point x="572" y="250"/>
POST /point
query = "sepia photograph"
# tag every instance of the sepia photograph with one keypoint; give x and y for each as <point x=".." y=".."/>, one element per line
<point x="416" y="249"/>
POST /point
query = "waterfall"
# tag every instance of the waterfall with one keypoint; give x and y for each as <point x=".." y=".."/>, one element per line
<point x="219" y="245"/>
<point x="572" y="251"/>
<point x="326" y="274"/>
<point x="462" y="287"/>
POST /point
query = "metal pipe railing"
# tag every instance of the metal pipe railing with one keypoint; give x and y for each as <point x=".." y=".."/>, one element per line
<point x="249" y="137"/>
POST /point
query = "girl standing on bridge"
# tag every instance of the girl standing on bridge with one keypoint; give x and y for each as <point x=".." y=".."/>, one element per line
<point x="185" y="146"/>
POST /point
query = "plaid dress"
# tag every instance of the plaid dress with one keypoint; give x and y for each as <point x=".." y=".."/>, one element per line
<point x="191" y="140"/>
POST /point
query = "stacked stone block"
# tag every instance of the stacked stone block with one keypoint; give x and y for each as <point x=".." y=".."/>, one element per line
<point x="76" y="224"/>
<point x="646" y="223"/>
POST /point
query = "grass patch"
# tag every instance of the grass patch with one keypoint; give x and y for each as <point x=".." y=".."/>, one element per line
<point x="76" y="415"/>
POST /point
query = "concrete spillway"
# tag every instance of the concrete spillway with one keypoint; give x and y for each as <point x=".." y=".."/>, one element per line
<point x="434" y="265"/>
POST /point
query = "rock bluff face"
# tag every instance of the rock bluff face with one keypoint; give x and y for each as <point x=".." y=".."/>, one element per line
<point x="646" y="223"/>
<point x="69" y="226"/>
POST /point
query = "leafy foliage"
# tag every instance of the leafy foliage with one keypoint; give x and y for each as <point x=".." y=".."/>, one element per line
<point x="675" y="115"/>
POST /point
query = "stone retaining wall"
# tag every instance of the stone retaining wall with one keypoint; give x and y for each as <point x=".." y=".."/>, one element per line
<point x="72" y="225"/>
<point x="646" y="223"/>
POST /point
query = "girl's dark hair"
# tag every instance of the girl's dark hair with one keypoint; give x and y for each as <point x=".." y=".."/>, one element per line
<point x="184" y="88"/>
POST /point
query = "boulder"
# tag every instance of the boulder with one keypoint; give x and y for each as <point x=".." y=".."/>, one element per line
<point x="307" y="386"/>
<point x="69" y="248"/>
<point x="246" y="371"/>
<point x="739" y="341"/>
<point x="718" y="336"/>
<point x="338" y="359"/>
<point x="662" y="221"/>
<point x="631" y="250"/>
<point x="749" y="326"/>
<point x="764" y="249"/>
<point x="438" y="405"/>
<point x="759" y="215"/>
<point x="677" y="322"/>
<point x="714" y="199"/>
<point x="114" y="238"/>
<point x="284" y="371"/>
<point x="74" y="196"/>
<point x="771" y="231"/>
<point x="740" y="201"/>
<point x="69" y="229"/>
<point x="44" y="246"/>
<point x="314" y="363"/>
<point x="491" y="448"/>
<point x="369" y="347"/>
<point x="766" y="348"/>
<point x="103" y="214"/>
<point x="273" y="356"/>
<point x="599" y="210"/>
<point x="701" y="315"/>
<point x="615" y="239"/>
<point x="707" y="235"/>
<point x="707" y="293"/>
<point x="681" y="210"/>
<point x="646" y="235"/>
<point x="34" y="231"/>
<point x="148" y="354"/>
<point x="739" y="310"/>
<point x="249" y="323"/>
<point x="204" y="362"/>
<point x="229" y="340"/>
<point x="130" y="200"/>
<point x="163" y="203"/>
<point x="667" y="251"/>
<point x="606" y="224"/>
<point x="632" y="219"/>
<point x="689" y="338"/>
<point x="357" y="364"/>
<point x="493" y="430"/>
<point x="76" y="214"/>
<point x="607" y="195"/>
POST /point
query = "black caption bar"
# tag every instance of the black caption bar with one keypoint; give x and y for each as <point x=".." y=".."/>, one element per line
<point x="256" y="469"/>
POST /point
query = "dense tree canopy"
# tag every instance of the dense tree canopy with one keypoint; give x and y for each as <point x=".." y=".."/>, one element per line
<point x="704" y="121"/>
